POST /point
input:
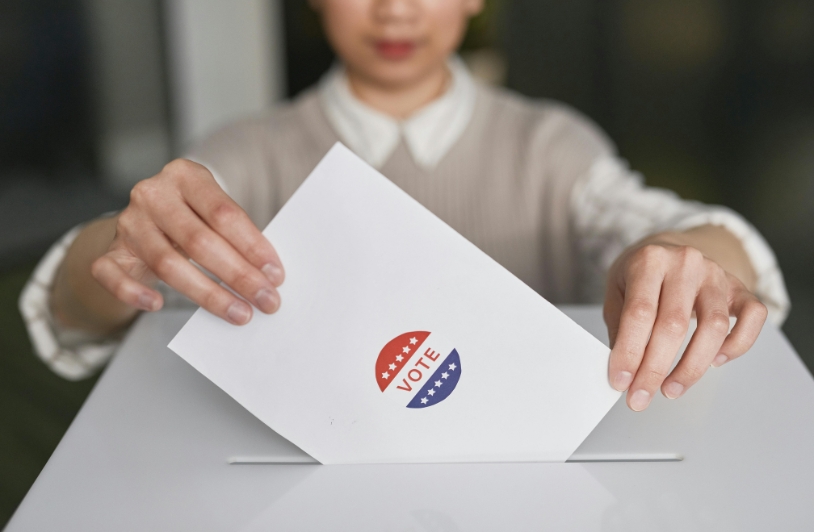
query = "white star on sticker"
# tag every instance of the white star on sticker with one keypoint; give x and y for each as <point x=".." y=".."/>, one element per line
<point x="452" y="366"/>
<point x="392" y="366"/>
<point x="424" y="400"/>
<point x="438" y="384"/>
<point x="431" y="392"/>
<point x="413" y="341"/>
<point x="385" y="375"/>
<point x="399" y="358"/>
<point x="405" y="349"/>
<point x="444" y="374"/>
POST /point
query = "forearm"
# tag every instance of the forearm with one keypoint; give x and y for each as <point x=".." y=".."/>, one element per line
<point x="77" y="299"/>
<point x="717" y="244"/>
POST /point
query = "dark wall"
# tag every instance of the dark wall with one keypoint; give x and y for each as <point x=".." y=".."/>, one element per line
<point x="711" y="98"/>
<point x="44" y="91"/>
<point x="308" y="55"/>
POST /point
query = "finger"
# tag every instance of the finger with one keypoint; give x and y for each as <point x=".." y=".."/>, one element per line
<point x="635" y="324"/>
<point x="612" y="311"/>
<point x="751" y="315"/>
<point x="211" y="251"/>
<point x="712" y="310"/>
<point x="118" y="282"/>
<point x="159" y="255"/>
<point x="223" y="215"/>
<point x="676" y="301"/>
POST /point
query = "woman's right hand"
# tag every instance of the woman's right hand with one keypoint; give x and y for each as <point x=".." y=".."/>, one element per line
<point x="182" y="214"/>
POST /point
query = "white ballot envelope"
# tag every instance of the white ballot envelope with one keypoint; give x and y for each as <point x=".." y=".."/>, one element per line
<point x="399" y="341"/>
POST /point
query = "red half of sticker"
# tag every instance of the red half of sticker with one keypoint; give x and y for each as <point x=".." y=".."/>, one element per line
<point x="395" y="355"/>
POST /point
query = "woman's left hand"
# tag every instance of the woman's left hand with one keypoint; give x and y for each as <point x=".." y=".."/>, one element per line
<point x="653" y="289"/>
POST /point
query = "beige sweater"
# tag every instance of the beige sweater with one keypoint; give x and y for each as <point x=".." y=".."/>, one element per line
<point x="533" y="184"/>
<point x="505" y="185"/>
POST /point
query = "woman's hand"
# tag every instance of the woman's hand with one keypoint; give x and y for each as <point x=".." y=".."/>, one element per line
<point x="183" y="214"/>
<point x="653" y="290"/>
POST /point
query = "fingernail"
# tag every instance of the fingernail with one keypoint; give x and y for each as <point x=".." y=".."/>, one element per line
<point x="274" y="273"/>
<point x="239" y="313"/>
<point x="720" y="360"/>
<point x="146" y="302"/>
<point x="673" y="390"/>
<point x="640" y="400"/>
<point x="267" y="300"/>
<point x="622" y="380"/>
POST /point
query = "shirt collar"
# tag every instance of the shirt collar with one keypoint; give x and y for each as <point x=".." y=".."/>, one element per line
<point x="428" y="133"/>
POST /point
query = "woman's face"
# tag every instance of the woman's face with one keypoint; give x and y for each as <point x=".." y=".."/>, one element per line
<point x="395" y="43"/>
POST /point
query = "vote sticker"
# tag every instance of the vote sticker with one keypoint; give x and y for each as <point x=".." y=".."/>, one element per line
<point x="418" y="369"/>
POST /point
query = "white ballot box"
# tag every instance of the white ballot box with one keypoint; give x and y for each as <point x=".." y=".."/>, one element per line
<point x="154" y="448"/>
<point x="398" y="341"/>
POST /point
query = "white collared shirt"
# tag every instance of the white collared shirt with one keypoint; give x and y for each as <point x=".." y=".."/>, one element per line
<point x="428" y="133"/>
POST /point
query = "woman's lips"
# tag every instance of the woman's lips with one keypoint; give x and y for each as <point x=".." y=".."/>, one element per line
<point x="395" y="50"/>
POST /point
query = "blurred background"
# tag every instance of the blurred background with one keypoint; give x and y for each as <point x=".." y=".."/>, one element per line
<point x="711" y="98"/>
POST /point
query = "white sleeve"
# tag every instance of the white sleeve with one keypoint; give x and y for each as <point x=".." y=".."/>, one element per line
<point x="612" y="209"/>
<point x="70" y="353"/>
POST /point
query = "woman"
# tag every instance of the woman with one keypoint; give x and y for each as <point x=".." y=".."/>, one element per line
<point x="533" y="184"/>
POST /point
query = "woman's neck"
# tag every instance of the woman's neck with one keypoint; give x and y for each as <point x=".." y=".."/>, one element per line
<point x="399" y="101"/>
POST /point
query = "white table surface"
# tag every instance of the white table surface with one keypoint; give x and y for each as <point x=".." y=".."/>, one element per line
<point x="150" y="450"/>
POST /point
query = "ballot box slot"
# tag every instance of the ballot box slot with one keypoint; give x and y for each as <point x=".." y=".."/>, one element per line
<point x="575" y="459"/>
<point x="579" y="458"/>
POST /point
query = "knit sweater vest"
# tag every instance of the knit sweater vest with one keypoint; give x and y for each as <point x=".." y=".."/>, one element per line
<point x="506" y="185"/>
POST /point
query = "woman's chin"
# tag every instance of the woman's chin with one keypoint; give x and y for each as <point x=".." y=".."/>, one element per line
<point x="399" y="74"/>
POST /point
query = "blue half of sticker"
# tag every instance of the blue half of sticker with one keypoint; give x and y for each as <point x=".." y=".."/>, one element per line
<point x="441" y="384"/>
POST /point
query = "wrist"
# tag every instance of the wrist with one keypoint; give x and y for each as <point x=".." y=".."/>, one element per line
<point x="716" y="244"/>
<point x="665" y="238"/>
